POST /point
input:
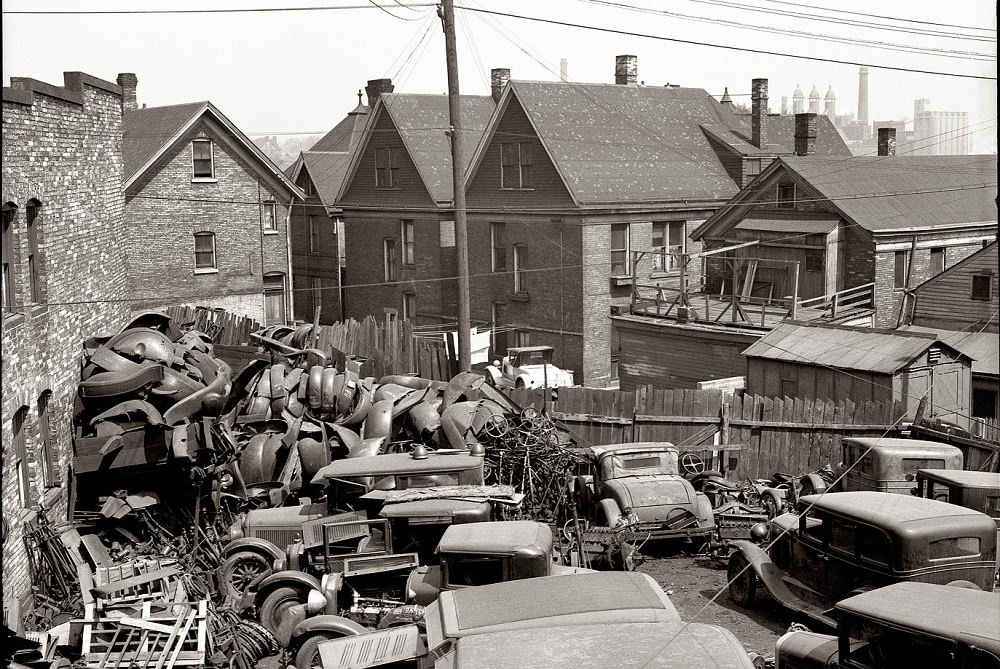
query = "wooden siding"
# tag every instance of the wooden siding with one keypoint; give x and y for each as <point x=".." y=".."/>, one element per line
<point x="673" y="356"/>
<point x="946" y="300"/>
<point x="775" y="378"/>
<point x="547" y="189"/>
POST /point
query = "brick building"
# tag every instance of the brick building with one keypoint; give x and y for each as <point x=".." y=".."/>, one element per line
<point x="566" y="183"/>
<point x="318" y="253"/>
<point x="206" y="212"/>
<point x="63" y="280"/>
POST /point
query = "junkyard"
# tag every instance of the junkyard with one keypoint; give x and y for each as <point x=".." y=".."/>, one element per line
<point x="633" y="350"/>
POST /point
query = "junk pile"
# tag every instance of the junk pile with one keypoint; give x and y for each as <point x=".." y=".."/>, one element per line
<point x="171" y="450"/>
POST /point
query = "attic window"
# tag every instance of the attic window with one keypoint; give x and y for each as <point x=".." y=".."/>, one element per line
<point x="202" y="159"/>
<point x="786" y="195"/>
<point x="982" y="286"/>
<point x="516" y="165"/>
<point x="387" y="167"/>
<point x="751" y="167"/>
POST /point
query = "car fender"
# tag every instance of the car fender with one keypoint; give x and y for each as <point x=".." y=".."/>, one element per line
<point x="815" y="481"/>
<point x="525" y="379"/>
<point x="255" y="545"/>
<point x="424" y="584"/>
<point x="768" y="573"/>
<point x="339" y="625"/>
<point x="299" y="580"/>
<point x="705" y="513"/>
<point x="493" y="375"/>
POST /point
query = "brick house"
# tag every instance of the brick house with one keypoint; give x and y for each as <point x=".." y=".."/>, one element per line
<point x="881" y="224"/>
<point x="567" y="183"/>
<point x="316" y="222"/>
<point x="63" y="281"/>
<point x="960" y="305"/>
<point x="206" y="212"/>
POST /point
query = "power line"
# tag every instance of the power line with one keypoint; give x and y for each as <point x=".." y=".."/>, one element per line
<point x="232" y="10"/>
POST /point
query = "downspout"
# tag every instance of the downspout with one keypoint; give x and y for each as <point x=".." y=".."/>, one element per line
<point x="290" y="302"/>
<point x="260" y="230"/>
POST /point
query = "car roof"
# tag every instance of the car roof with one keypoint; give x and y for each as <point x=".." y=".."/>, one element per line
<point x="430" y="507"/>
<point x="634" y="446"/>
<point x="906" y="446"/>
<point x="962" y="477"/>
<point x="529" y="349"/>
<point x="549" y="597"/>
<point x="942" y="610"/>
<point x="662" y="645"/>
<point x="495" y="536"/>
<point x="398" y="463"/>
<point x="887" y="507"/>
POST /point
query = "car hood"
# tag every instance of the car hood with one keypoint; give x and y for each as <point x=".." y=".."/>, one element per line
<point x="647" y="495"/>
<point x="538" y="373"/>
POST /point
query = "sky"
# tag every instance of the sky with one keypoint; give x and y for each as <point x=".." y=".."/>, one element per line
<point x="285" y="72"/>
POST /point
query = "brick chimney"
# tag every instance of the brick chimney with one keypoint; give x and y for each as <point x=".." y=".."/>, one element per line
<point x="886" y="141"/>
<point x="499" y="77"/>
<point x="129" y="82"/>
<point x="805" y="134"/>
<point x="376" y="87"/>
<point x="626" y="70"/>
<point x="758" y="112"/>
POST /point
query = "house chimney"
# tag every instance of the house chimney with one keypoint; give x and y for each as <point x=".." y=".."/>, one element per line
<point x="626" y="69"/>
<point x="129" y="82"/>
<point x="376" y="87"/>
<point x="758" y="112"/>
<point x="886" y="141"/>
<point x="805" y="134"/>
<point x="499" y="77"/>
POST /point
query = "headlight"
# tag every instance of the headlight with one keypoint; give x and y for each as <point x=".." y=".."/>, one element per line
<point x="226" y="480"/>
<point x="235" y="531"/>
<point x="315" y="602"/>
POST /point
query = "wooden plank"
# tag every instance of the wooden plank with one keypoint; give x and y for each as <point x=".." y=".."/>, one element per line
<point x="140" y="579"/>
<point x="144" y="624"/>
<point x="587" y="418"/>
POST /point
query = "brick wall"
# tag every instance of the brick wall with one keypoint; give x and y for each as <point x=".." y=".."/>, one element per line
<point x="321" y="262"/>
<point x="168" y="207"/>
<point x="61" y="146"/>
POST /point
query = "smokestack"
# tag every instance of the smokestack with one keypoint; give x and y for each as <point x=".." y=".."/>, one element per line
<point x="805" y="134"/>
<point x="784" y="105"/>
<point x="499" y="76"/>
<point x="626" y="69"/>
<point x="129" y="82"/>
<point x="863" y="96"/>
<point x="758" y="112"/>
<point x="563" y="69"/>
<point x="377" y="87"/>
<point x="886" y="141"/>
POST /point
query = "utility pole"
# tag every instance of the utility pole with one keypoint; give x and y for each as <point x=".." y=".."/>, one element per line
<point x="458" y="186"/>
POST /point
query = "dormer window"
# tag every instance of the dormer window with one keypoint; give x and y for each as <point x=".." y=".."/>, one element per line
<point x="202" y="159"/>
<point x="786" y="195"/>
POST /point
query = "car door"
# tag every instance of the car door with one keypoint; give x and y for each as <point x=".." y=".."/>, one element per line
<point x="807" y="558"/>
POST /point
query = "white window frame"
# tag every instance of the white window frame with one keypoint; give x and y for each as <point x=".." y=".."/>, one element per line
<point x="406" y="249"/>
<point x="269" y="213"/>
<point x="205" y="268"/>
<point x="211" y="159"/>
<point x="626" y="270"/>
<point x="520" y="276"/>
<point x="662" y="262"/>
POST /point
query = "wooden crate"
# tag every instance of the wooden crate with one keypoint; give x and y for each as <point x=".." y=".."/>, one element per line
<point x="139" y="580"/>
<point x="173" y="638"/>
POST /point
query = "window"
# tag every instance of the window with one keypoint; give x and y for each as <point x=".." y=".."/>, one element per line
<point x="34" y="276"/>
<point x="387" y="167"/>
<point x="751" y="168"/>
<point x="943" y="549"/>
<point x="786" y="195"/>
<point x="874" y="545"/>
<point x="45" y="459"/>
<point x="409" y="305"/>
<point x="984" y="403"/>
<point x="842" y="535"/>
<point x="789" y="388"/>
<point x="498" y="252"/>
<point x="21" y="455"/>
<point x="389" y="259"/>
<point x="520" y="275"/>
<point x="902" y="260"/>
<point x="406" y="234"/>
<point x="308" y="187"/>
<point x="269" y="216"/>
<point x="474" y="570"/>
<point x="204" y="250"/>
<point x="516" y="163"/>
<point x="203" y="163"/>
<point x="668" y="238"/>
<point x="522" y="338"/>
<point x="937" y="261"/>
<point x="982" y="286"/>
<point x="274" y="298"/>
<point x="620" y="250"/>
<point x="814" y="261"/>
<point x="313" y="234"/>
<point x="9" y="210"/>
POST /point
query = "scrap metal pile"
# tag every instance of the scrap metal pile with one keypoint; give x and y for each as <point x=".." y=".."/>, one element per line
<point x="171" y="450"/>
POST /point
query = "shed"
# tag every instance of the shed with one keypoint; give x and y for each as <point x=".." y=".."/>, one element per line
<point x="821" y="361"/>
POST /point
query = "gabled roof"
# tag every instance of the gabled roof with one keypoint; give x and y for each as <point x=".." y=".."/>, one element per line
<point x="982" y="347"/>
<point x="840" y="347"/>
<point x="151" y="132"/>
<point x="327" y="170"/>
<point x="345" y="134"/>
<point x="612" y="143"/>
<point x="422" y="121"/>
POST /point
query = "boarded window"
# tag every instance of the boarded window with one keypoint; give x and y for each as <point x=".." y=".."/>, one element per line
<point x="204" y="250"/>
<point x="203" y="163"/>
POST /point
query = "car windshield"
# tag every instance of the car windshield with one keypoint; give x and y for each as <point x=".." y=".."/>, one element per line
<point x="638" y="464"/>
<point x="529" y="358"/>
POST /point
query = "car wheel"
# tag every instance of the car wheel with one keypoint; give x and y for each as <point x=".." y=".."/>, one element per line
<point x="962" y="583"/>
<point x="742" y="580"/>
<point x="239" y="570"/>
<point x="276" y="605"/>
<point x="307" y="656"/>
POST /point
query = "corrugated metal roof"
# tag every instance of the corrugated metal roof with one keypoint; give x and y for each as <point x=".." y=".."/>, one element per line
<point x="422" y="121"/>
<point x="327" y="170"/>
<point x="145" y="131"/>
<point x="810" y="225"/>
<point x="879" y="351"/>
<point x="886" y="193"/>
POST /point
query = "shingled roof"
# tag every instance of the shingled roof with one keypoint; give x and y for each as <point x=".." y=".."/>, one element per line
<point x="327" y="170"/>
<point x="345" y="134"/>
<point x="886" y="193"/>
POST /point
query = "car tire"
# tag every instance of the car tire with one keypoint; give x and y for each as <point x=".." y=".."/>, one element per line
<point x="742" y="580"/>
<point x="307" y="656"/>
<point x="276" y="605"/>
<point x="962" y="583"/>
<point x="239" y="570"/>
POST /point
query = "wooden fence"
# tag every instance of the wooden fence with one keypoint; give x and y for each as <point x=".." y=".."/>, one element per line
<point x="744" y="435"/>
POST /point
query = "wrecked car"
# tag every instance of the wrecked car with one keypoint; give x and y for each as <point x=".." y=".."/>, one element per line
<point x="890" y="465"/>
<point x="907" y="624"/>
<point x="528" y="367"/>
<point x="973" y="490"/>
<point x="842" y="543"/>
